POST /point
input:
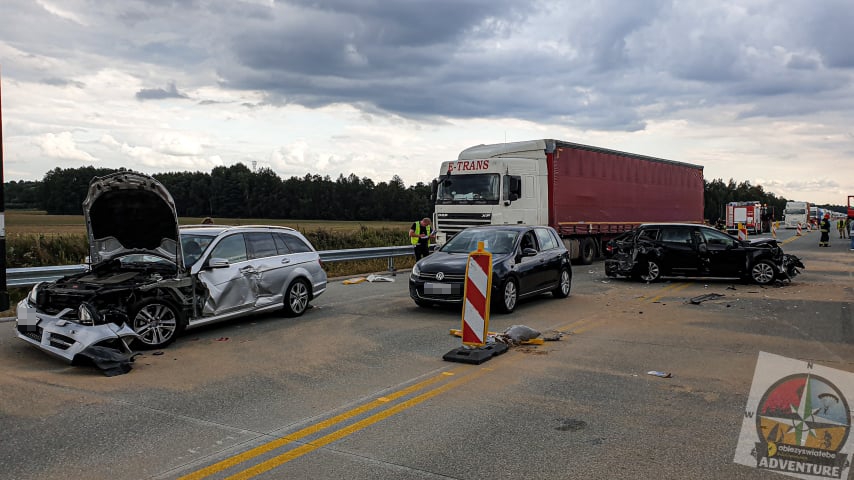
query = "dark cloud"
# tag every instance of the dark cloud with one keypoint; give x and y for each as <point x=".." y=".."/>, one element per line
<point x="170" y="91"/>
<point x="605" y="64"/>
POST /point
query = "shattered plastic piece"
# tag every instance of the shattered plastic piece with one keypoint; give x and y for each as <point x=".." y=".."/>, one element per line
<point x="520" y="333"/>
<point x="552" y="336"/>
<point x="702" y="298"/>
<point x="731" y="287"/>
<point x="157" y="353"/>
<point x="111" y="361"/>
<point x="659" y="374"/>
<point x="379" y="278"/>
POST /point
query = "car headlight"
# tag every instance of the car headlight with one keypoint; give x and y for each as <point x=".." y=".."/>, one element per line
<point x="87" y="315"/>
<point x="415" y="270"/>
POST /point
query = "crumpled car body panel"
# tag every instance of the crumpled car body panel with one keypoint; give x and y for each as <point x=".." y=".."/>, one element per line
<point x="65" y="339"/>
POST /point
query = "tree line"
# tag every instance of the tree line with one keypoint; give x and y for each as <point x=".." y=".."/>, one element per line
<point x="238" y="192"/>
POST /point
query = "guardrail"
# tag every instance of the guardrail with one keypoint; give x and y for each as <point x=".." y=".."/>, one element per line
<point x="27" y="277"/>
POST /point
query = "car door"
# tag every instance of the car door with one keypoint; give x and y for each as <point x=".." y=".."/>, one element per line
<point x="725" y="256"/>
<point x="551" y="258"/>
<point x="679" y="254"/>
<point x="228" y="283"/>
<point x="271" y="268"/>
<point x="528" y="268"/>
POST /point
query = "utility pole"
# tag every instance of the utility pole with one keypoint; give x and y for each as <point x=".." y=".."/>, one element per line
<point x="4" y="290"/>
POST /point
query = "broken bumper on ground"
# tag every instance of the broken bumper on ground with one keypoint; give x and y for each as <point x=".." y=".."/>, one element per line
<point x="65" y="339"/>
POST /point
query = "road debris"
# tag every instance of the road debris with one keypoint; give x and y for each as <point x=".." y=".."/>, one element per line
<point x="111" y="361"/>
<point x="656" y="373"/>
<point x="370" y="278"/>
<point x="702" y="298"/>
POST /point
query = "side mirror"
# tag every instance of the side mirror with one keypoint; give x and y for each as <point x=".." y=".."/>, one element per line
<point x="434" y="186"/>
<point x="702" y="248"/>
<point x="529" y="252"/>
<point x="218" y="263"/>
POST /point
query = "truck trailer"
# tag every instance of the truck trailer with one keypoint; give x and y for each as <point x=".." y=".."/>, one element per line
<point x="588" y="194"/>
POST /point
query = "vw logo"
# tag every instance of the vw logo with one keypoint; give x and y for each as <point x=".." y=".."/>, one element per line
<point x="440" y="276"/>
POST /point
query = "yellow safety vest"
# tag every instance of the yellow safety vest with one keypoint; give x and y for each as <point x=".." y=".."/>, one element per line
<point x="415" y="239"/>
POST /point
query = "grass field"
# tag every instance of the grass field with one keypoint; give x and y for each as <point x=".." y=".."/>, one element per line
<point x="33" y="221"/>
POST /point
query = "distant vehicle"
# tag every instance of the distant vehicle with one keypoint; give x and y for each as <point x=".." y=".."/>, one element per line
<point x="851" y="207"/>
<point x="526" y="261"/>
<point x="796" y="213"/>
<point x="654" y="251"/>
<point x="751" y="215"/>
<point x="587" y="194"/>
<point x="150" y="280"/>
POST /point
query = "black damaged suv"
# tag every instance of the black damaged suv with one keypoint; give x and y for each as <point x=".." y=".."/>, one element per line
<point x="652" y="251"/>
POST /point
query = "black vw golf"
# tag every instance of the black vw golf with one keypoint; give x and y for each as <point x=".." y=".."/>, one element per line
<point x="526" y="261"/>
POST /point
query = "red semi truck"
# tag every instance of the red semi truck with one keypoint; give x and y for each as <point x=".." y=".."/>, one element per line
<point x="588" y="194"/>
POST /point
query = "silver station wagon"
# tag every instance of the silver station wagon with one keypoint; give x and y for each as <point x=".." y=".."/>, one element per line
<point x="149" y="279"/>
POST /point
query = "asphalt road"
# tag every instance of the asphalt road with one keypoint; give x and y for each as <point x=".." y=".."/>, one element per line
<point x="357" y="388"/>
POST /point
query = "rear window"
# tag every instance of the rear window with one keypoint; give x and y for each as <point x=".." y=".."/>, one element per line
<point x="295" y="244"/>
<point x="547" y="241"/>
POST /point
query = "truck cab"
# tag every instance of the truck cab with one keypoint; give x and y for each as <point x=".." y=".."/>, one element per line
<point x="492" y="185"/>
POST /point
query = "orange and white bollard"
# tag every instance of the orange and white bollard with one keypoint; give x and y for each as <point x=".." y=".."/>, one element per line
<point x="742" y="232"/>
<point x="774" y="226"/>
<point x="475" y="315"/>
<point x="799" y="231"/>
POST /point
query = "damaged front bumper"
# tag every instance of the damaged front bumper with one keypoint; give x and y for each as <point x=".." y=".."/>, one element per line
<point x="65" y="339"/>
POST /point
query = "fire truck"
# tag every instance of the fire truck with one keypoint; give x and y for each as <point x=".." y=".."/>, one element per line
<point x="751" y="215"/>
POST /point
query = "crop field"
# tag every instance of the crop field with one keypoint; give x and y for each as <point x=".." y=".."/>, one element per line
<point x="38" y="222"/>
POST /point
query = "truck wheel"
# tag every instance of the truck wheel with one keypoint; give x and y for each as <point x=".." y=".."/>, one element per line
<point x="586" y="251"/>
<point x="763" y="272"/>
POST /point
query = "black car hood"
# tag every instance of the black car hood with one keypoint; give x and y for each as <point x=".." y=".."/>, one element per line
<point x="130" y="212"/>
<point x="758" y="242"/>
<point x="449" y="263"/>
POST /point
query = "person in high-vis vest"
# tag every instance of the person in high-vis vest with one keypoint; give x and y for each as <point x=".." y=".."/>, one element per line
<point x="824" y="241"/>
<point x="421" y="234"/>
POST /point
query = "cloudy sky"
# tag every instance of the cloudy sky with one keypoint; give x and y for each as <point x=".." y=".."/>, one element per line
<point x="756" y="90"/>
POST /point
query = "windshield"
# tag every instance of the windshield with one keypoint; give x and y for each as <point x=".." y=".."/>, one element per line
<point x="495" y="241"/>
<point x="469" y="189"/>
<point x="795" y="211"/>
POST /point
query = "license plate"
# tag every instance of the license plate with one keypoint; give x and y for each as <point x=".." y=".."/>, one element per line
<point x="27" y="316"/>
<point x="437" y="288"/>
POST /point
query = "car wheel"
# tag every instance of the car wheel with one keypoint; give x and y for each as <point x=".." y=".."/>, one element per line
<point x="562" y="290"/>
<point x="509" y="295"/>
<point x="763" y="272"/>
<point x="587" y="251"/>
<point x="296" y="298"/>
<point x="156" y="321"/>
<point x="653" y="273"/>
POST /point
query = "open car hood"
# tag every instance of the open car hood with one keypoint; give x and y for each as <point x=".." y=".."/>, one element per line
<point x="131" y="212"/>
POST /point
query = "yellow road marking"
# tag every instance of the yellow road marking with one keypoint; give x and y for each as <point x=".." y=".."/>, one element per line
<point x="673" y="288"/>
<point x="339" y="434"/>
<point x="279" y="442"/>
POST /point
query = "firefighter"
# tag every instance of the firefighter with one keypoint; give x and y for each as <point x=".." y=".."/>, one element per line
<point x="825" y="231"/>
